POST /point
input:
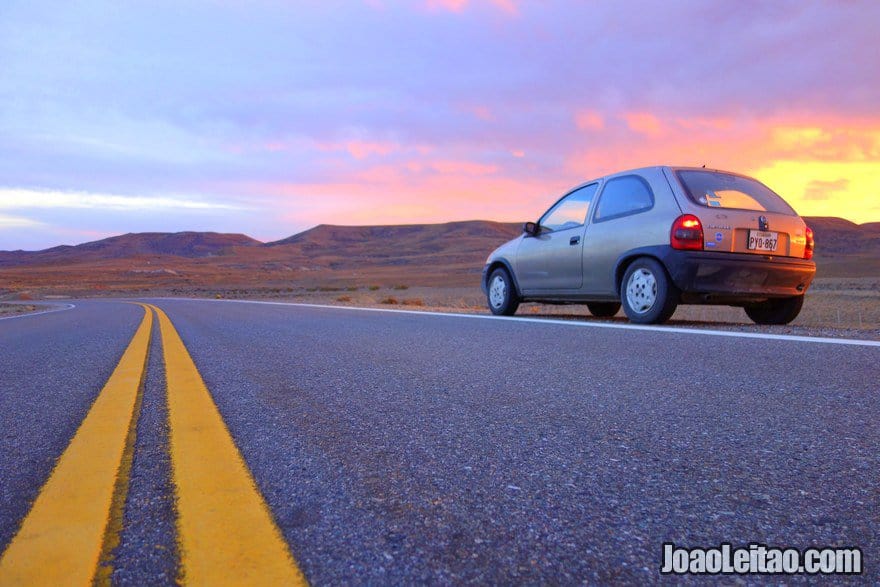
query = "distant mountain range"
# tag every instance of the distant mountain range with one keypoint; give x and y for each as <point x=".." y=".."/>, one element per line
<point x="427" y="254"/>
<point x="180" y="244"/>
<point x="833" y="236"/>
<point x="380" y="243"/>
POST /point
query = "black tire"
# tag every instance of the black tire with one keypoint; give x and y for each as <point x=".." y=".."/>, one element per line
<point x="776" y="311"/>
<point x="603" y="309"/>
<point x="504" y="297"/>
<point x="653" y="296"/>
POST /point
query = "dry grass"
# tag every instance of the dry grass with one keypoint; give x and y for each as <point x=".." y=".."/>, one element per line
<point x="14" y="309"/>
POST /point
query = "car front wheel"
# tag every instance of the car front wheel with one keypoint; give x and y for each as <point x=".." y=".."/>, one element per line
<point x="501" y="293"/>
<point x="776" y="311"/>
<point x="647" y="294"/>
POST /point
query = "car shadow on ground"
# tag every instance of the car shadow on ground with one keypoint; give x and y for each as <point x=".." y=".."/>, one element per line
<point x="624" y="320"/>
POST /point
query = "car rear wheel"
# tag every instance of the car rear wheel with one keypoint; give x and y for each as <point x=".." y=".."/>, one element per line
<point x="647" y="294"/>
<point x="776" y="311"/>
<point x="501" y="293"/>
<point x="603" y="309"/>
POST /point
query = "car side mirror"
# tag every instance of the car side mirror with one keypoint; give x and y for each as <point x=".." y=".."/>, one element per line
<point x="531" y="228"/>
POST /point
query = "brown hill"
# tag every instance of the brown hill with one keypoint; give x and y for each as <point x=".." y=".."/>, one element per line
<point x="425" y="254"/>
<point x="179" y="244"/>
<point x="836" y="236"/>
<point x="398" y="244"/>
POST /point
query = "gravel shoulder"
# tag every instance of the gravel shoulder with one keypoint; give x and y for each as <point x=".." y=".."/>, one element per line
<point x="17" y="309"/>
<point x="462" y="300"/>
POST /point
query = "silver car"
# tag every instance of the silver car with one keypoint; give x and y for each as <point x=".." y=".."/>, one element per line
<point x="653" y="238"/>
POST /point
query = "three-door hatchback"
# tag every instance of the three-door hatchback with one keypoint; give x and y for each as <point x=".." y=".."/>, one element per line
<point x="653" y="238"/>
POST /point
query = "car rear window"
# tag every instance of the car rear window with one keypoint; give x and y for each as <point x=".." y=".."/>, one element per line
<point x="726" y="190"/>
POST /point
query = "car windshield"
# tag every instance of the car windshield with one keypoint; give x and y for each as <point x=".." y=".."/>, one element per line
<point x="725" y="190"/>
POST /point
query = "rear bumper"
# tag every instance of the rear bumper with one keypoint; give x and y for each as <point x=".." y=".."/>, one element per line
<point x="728" y="276"/>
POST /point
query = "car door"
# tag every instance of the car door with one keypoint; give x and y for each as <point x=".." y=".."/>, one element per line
<point x="551" y="259"/>
<point x="622" y="219"/>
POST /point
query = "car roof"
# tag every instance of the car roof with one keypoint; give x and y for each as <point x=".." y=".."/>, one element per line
<point x="606" y="177"/>
<point x="642" y="170"/>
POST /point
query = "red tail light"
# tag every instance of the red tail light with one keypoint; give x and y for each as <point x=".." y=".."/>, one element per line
<point x="811" y="244"/>
<point x="686" y="233"/>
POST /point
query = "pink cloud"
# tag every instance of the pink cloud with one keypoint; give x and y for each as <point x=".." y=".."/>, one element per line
<point x="359" y="149"/>
<point x="363" y="149"/>
<point x="589" y="120"/>
<point x="463" y="168"/>
<point x="643" y="123"/>
<point x="481" y="112"/>
<point x="508" y="7"/>
<point x="450" y="5"/>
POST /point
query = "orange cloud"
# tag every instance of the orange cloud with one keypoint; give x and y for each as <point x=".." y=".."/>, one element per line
<point x="823" y="190"/>
<point x="644" y="123"/>
<point x="821" y="165"/>
<point x="828" y="167"/>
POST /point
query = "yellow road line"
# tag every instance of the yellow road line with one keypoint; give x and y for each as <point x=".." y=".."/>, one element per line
<point x="62" y="538"/>
<point x="226" y="534"/>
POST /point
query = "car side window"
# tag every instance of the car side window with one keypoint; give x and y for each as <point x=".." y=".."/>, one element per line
<point x="623" y="196"/>
<point x="570" y="211"/>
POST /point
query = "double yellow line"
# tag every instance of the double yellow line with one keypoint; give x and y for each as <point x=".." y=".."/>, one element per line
<point x="225" y="532"/>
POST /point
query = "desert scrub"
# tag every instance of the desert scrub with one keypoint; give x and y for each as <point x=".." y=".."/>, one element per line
<point x="414" y="302"/>
<point x="343" y="299"/>
<point x="389" y="300"/>
<point x="373" y="287"/>
<point x="351" y="288"/>
<point x="401" y="287"/>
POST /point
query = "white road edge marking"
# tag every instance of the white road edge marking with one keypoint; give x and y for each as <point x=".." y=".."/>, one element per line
<point x="57" y="308"/>
<point x="516" y="319"/>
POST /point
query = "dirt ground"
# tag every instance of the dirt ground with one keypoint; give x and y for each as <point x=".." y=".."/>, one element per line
<point x="15" y="309"/>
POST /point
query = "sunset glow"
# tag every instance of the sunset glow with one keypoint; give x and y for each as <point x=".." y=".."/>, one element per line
<point x="268" y="118"/>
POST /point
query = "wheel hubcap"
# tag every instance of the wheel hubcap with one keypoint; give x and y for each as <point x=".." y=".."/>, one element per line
<point x="641" y="291"/>
<point x="497" y="292"/>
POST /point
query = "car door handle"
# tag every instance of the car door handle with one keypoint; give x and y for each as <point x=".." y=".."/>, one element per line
<point x="574" y="240"/>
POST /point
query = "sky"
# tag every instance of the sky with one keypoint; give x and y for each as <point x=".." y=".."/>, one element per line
<point x="268" y="117"/>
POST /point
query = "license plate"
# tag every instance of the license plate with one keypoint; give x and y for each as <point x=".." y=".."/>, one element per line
<point x="761" y="240"/>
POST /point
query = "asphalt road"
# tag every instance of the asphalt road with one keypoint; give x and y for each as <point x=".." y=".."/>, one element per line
<point x="402" y="448"/>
